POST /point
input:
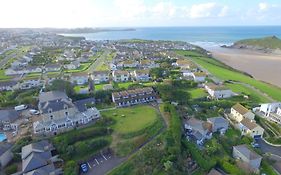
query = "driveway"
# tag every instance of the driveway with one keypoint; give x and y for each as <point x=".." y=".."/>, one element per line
<point x="266" y="148"/>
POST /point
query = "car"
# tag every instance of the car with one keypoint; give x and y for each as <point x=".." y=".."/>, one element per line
<point x="84" y="167"/>
<point x="34" y="112"/>
<point x="255" y="145"/>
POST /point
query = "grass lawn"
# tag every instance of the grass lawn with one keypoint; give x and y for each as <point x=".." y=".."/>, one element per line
<point x="123" y="85"/>
<point x="132" y="127"/>
<point x="223" y="73"/>
<point x="32" y="76"/>
<point x="4" y="77"/>
<point x="134" y="118"/>
<point x="99" y="87"/>
<point x="78" y="88"/>
<point x="83" y="67"/>
<point x="197" y="93"/>
<point x="241" y="89"/>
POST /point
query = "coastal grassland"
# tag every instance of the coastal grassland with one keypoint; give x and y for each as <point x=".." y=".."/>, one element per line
<point x="223" y="73"/>
<point x="197" y="93"/>
<point x="266" y="42"/>
<point x="253" y="95"/>
<point x="165" y="149"/>
<point x="132" y="127"/>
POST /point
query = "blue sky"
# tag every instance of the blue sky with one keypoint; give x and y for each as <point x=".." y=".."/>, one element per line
<point x="138" y="13"/>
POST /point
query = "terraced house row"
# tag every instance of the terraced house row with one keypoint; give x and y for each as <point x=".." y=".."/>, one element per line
<point x="133" y="97"/>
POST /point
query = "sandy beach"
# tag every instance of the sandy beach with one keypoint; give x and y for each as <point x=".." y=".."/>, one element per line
<point x="265" y="67"/>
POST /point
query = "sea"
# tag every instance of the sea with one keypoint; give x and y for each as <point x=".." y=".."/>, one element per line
<point x="202" y="36"/>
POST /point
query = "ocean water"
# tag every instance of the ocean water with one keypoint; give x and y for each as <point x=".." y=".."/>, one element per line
<point x="203" y="36"/>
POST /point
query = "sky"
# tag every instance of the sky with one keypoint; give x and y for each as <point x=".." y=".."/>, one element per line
<point x="137" y="13"/>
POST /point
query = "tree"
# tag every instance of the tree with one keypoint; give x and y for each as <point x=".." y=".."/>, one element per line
<point x="61" y="85"/>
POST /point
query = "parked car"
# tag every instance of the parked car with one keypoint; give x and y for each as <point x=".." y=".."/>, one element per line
<point x="20" y="107"/>
<point x="34" y="112"/>
<point x="255" y="145"/>
<point x="84" y="167"/>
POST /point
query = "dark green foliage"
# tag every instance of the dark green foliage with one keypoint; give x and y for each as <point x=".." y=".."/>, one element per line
<point x="11" y="169"/>
<point x="61" y="85"/>
<point x="20" y="143"/>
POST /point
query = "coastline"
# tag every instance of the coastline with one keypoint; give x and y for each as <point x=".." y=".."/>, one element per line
<point x="262" y="66"/>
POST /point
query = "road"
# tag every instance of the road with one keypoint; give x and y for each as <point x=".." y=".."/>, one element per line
<point x="99" y="61"/>
<point x="266" y="148"/>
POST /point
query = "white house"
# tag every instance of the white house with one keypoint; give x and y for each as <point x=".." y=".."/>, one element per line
<point x="251" y="128"/>
<point x="239" y="112"/>
<point x="52" y="67"/>
<point x="141" y="75"/>
<point x="120" y="76"/>
<point x="73" y="65"/>
<point x="79" y="78"/>
<point x="28" y="84"/>
<point x="130" y="64"/>
<point x="272" y="111"/>
<point x="199" y="76"/>
<point x="100" y="76"/>
<point x="218" y="91"/>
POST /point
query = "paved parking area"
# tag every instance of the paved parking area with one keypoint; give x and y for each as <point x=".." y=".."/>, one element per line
<point x="268" y="148"/>
<point x="102" y="163"/>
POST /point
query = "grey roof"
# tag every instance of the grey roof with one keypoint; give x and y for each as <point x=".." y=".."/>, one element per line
<point x="243" y="149"/>
<point x="8" y="83"/>
<point x="38" y="147"/>
<point x="81" y="104"/>
<point x="9" y="115"/>
<point x="52" y="95"/>
<point x="55" y="105"/>
<point x="218" y="120"/>
<point x="45" y="170"/>
<point x="4" y="147"/>
<point x="35" y="155"/>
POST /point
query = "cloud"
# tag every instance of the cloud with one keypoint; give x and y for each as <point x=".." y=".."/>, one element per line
<point x="206" y="10"/>
<point x="263" y="6"/>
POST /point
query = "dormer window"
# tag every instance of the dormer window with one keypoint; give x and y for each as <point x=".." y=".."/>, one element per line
<point x="66" y="113"/>
<point x="50" y="110"/>
<point x="65" y="107"/>
<point x="51" y="117"/>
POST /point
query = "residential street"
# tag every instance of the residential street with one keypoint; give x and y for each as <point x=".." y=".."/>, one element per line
<point x="268" y="148"/>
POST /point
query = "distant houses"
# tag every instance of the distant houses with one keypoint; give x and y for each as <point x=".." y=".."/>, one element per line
<point x="133" y="97"/>
<point x="141" y="75"/>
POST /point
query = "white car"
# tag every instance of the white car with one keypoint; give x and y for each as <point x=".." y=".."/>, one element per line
<point x="34" y="112"/>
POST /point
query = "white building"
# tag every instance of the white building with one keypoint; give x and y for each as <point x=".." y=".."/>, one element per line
<point x="251" y="128"/>
<point x="79" y="78"/>
<point x="239" y="112"/>
<point x="120" y="76"/>
<point x="100" y="76"/>
<point x="218" y="91"/>
<point x="141" y="75"/>
<point x="199" y="76"/>
<point x="272" y="111"/>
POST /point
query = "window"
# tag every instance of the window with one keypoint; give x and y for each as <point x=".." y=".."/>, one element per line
<point x="66" y="113"/>
<point x="51" y="116"/>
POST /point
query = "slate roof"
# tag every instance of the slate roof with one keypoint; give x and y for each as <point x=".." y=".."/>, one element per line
<point x="9" y="115"/>
<point x="45" y="170"/>
<point x="36" y="155"/>
<point x="4" y="147"/>
<point x="214" y="172"/>
<point x="55" y="105"/>
<point x="81" y="104"/>
<point x="52" y="95"/>
<point x="8" y="83"/>
<point x="218" y="120"/>
<point x="243" y="149"/>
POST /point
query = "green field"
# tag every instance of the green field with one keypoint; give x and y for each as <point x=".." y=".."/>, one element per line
<point x="223" y="73"/>
<point x="4" y="77"/>
<point x="267" y="42"/>
<point x="134" y="118"/>
<point x="197" y="93"/>
<point x="253" y="95"/>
